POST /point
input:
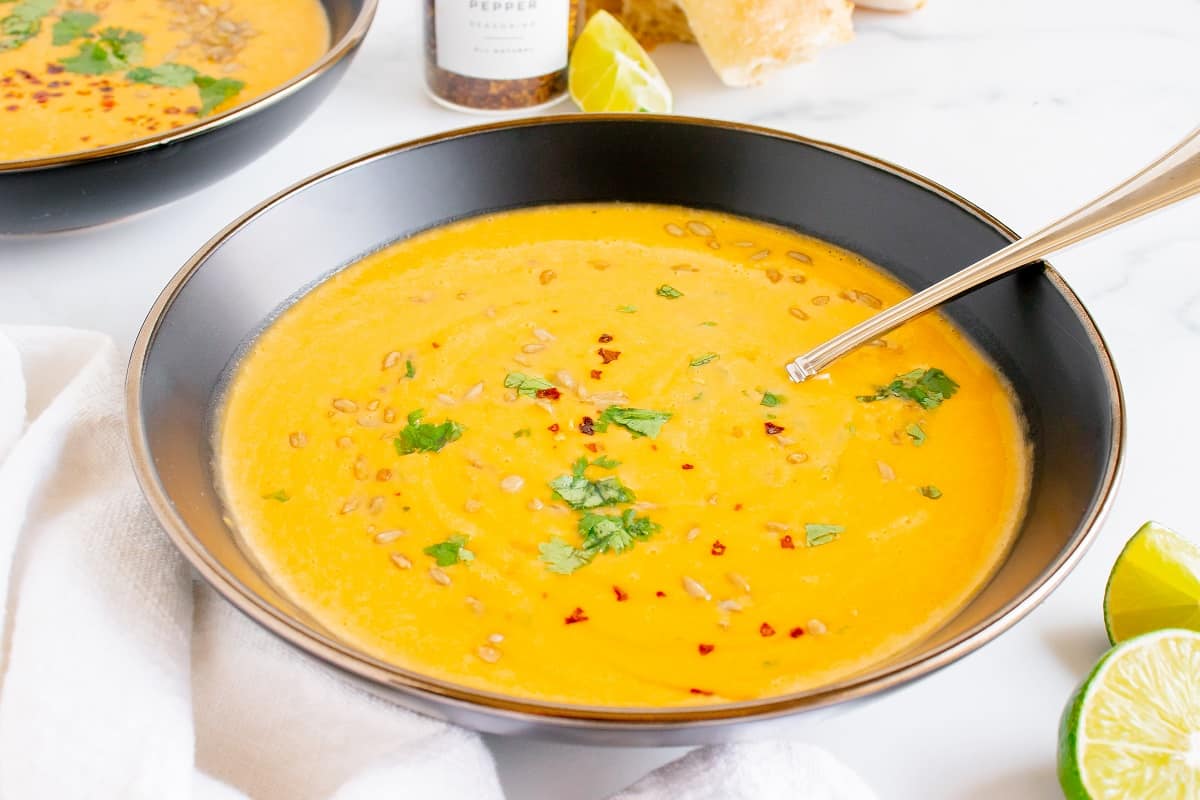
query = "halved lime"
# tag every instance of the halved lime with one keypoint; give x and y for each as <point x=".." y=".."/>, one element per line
<point x="1132" y="730"/>
<point x="1155" y="584"/>
<point x="609" y="70"/>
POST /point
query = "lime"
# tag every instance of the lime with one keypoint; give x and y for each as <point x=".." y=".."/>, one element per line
<point x="609" y="70"/>
<point x="1155" y="584"/>
<point x="1132" y="730"/>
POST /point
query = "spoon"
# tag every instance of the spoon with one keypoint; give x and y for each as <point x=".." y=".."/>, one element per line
<point x="1172" y="177"/>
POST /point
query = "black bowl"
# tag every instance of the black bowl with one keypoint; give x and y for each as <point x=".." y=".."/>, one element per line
<point x="78" y="190"/>
<point x="1031" y="324"/>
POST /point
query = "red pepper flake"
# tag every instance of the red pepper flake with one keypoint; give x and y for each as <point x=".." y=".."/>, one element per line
<point x="786" y="542"/>
<point x="772" y="428"/>
<point x="705" y="649"/>
<point x="704" y="692"/>
<point x="435" y="345"/>
<point x="796" y="633"/>
<point x="605" y="338"/>
<point x="718" y="549"/>
<point x="763" y="630"/>
<point x="548" y="394"/>
<point x="688" y="466"/>
<point x="553" y="428"/>
<point x="595" y="448"/>
<point x="587" y="426"/>
<point x="660" y="594"/>
<point x="621" y="594"/>
<point x="597" y="374"/>
<point x="737" y="506"/>
<point x="576" y="616"/>
<point x="609" y="355"/>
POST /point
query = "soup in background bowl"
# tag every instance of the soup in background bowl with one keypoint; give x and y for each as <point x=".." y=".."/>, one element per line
<point x="551" y="453"/>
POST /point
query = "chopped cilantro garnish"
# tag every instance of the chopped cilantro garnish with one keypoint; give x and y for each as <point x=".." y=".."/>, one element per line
<point x="918" y="435"/>
<point x="704" y="358"/>
<point x="215" y="91"/>
<point x="627" y="309"/>
<point x="562" y="558"/>
<point x="451" y="551"/>
<point x="23" y="23"/>
<point x="770" y="399"/>
<point x="73" y="25"/>
<point x="709" y="324"/>
<point x="426" y="437"/>
<point x="605" y="462"/>
<point x="931" y="491"/>
<point x="579" y="492"/>
<point x="521" y="433"/>
<point x="817" y="534"/>
<point x="603" y="534"/>
<point x="925" y="387"/>
<point x="639" y="421"/>
<point x="526" y="385"/>
<point x="174" y="75"/>
<point x="410" y="369"/>
<point x="669" y="292"/>
<point x="114" y="49"/>
<point x="279" y="495"/>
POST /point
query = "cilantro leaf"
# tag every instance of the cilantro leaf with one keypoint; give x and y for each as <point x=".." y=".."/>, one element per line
<point x="705" y="358"/>
<point x="526" y="385"/>
<point x="603" y="534"/>
<point x="426" y="437"/>
<point x="215" y="91"/>
<point x="639" y="421"/>
<point x="115" y="49"/>
<point x="771" y="400"/>
<point x="23" y="23"/>
<point x="709" y="324"/>
<point x="627" y="309"/>
<point x="523" y="432"/>
<point x="605" y="462"/>
<point x="579" y="492"/>
<point x="918" y="435"/>
<point x="562" y="558"/>
<point x="278" y="495"/>
<point x="669" y="292"/>
<point x="451" y="551"/>
<point x="816" y="534"/>
<point x="74" y="25"/>
<point x="931" y="491"/>
<point x="173" y="75"/>
<point x="927" y="388"/>
<point x="410" y="369"/>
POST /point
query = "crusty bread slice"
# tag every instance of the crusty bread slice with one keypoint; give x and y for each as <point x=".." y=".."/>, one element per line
<point x="746" y="40"/>
<point x="652" y="22"/>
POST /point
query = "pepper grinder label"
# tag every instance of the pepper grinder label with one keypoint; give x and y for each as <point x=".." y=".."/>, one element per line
<point x="501" y="39"/>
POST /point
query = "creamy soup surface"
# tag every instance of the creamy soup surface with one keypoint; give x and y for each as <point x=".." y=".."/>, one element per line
<point x="76" y="75"/>
<point x="553" y="453"/>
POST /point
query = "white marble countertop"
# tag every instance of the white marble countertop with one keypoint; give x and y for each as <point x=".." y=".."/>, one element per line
<point x="1026" y="107"/>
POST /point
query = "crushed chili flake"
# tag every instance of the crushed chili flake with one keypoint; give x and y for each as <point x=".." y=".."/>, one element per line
<point x="704" y="692"/>
<point x="548" y="394"/>
<point x="705" y="649"/>
<point x="593" y="447"/>
<point x="576" y="616"/>
<point x="605" y="338"/>
<point x="772" y="428"/>
<point x="786" y="542"/>
<point x="689" y="466"/>
<point x="435" y="345"/>
<point x="609" y="355"/>
<point x="766" y="630"/>
<point x="660" y="594"/>
<point x="621" y="594"/>
<point x="718" y="549"/>
<point x="796" y="633"/>
<point x="737" y="506"/>
<point x="597" y="374"/>
<point x="553" y="428"/>
<point x="587" y="426"/>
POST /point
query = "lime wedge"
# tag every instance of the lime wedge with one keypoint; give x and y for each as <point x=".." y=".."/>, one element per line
<point x="1132" y="730"/>
<point x="1155" y="584"/>
<point x="609" y="71"/>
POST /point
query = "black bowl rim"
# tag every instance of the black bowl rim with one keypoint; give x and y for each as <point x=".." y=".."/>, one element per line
<point x="525" y="712"/>
<point x="333" y="55"/>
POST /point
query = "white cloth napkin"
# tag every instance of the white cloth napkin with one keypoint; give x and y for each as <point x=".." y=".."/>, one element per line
<point x="123" y="677"/>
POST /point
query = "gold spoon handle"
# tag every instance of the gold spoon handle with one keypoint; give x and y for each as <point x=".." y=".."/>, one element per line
<point x="1172" y="177"/>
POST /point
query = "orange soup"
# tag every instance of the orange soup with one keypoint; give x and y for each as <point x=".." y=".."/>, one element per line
<point x="81" y="74"/>
<point x="553" y="453"/>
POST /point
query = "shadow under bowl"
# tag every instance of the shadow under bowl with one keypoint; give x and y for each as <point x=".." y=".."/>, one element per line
<point x="92" y="187"/>
<point x="1030" y="324"/>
